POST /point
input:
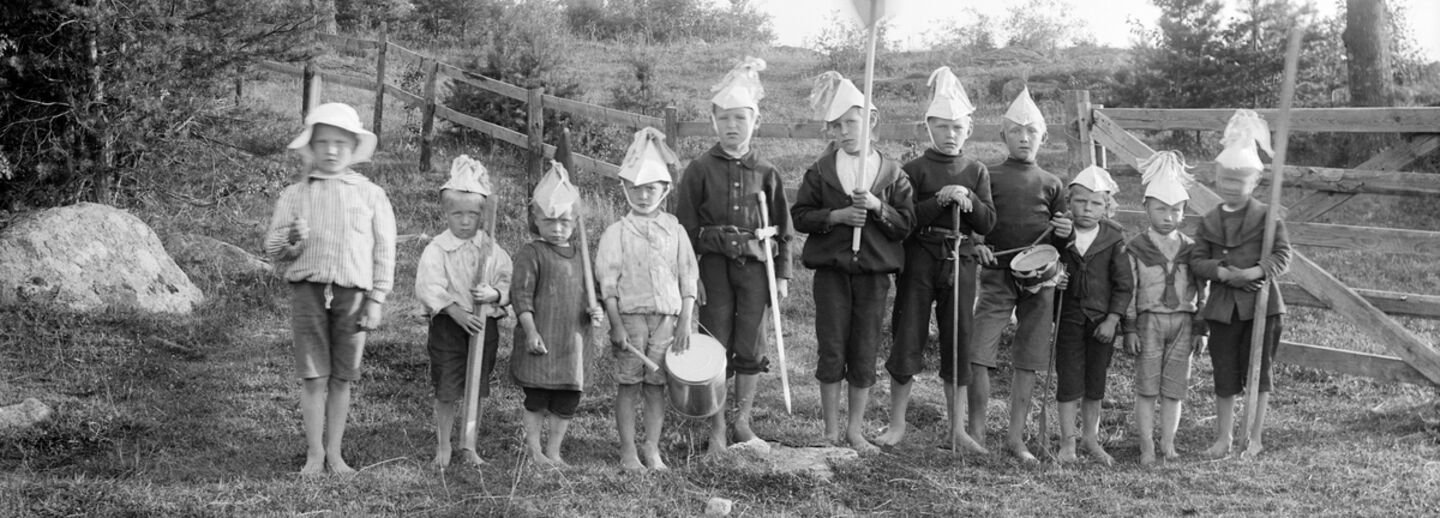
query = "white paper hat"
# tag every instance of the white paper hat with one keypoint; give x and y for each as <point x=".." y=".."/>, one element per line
<point x="1165" y="177"/>
<point x="342" y="116"/>
<point x="468" y="175"/>
<point x="833" y="95"/>
<point x="947" y="97"/>
<point x="1024" y="112"/>
<point x="741" y="88"/>
<point x="1243" y="133"/>
<point x="647" y="159"/>
<point x="554" y="194"/>
<point x="1096" y="179"/>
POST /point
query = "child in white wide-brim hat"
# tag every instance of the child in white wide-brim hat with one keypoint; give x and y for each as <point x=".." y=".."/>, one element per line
<point x="336" y="232"/>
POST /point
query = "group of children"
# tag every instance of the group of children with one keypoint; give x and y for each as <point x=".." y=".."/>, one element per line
<point x="944" y="225"/>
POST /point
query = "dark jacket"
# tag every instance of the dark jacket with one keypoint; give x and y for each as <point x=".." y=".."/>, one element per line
<point x="881" y="250"/>
<point x="1101" y="281"/>
<point x="1217" y="248"/>
<point x="933" y="171"/>
<point x="716" y="204"/>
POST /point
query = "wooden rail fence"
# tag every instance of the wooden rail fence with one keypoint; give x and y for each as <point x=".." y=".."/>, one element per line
<point x="1093" y="133"/>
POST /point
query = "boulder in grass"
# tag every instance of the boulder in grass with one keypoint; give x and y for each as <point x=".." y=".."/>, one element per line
<point x="201" y="255"/>
<point x="24" y="415"/>
<point x="90" y="256"/>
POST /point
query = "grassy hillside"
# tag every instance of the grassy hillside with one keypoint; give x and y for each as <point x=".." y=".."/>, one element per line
<point x="196" y="415"/>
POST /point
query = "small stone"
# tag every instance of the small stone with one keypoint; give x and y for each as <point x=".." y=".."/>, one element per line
<point x="24" y="415"/>
<point x="719" y="507"/>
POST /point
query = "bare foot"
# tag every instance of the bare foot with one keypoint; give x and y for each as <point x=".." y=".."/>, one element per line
<point x="314" y="465"/>
<point x="717" y="443"/>
<point x="471" y="457"/>
<point x="538" y="457"/>
<point x="968" y="444"/>
<point x="1219" y="450"/>
<point x="631" y="462"/>
<point x="1167" y="450"/>
<point x="862" y="446"/>
<point x="1252" y="450"/>
<point x="890" y="436"/>
<point x="1096" y="450"/>
<point x="742" y="429"/>
<point x="652" y="457"/>
<point x="1147" y="453"/>
<point x="442" y="456"/>
<point x="833" y="440"/>
<point x="1022" y="453"/>
<point x="1067" y="454"/>
<point x="557" y="460"/>
<point x="338" y="465"/>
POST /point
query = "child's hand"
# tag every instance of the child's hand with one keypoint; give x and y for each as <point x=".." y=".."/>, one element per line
<point x="1132" y="344"/>
<point x="1062" y="280"/>
<point x="782" y="288"/>
<point x="484" y="294"/>
<point x="1105" y="332"/>
<point x="618" y="338"/>
<point x="597" y="316"/>
<point x="957" y="195"/>
<point x="1062" y="224"/>
<point x="986" y="256"/>
<point x="370" y="316"/>
<point x="471" y="322"/>
<point x="1199" y="344"/>
<point x="865" y="199"/>
<point x="850" y="216"/>
<point x="535" y="345"/>
<point x="766" y="232"/>
<point x="299" y="231"/>
<point x="681" y="342"/>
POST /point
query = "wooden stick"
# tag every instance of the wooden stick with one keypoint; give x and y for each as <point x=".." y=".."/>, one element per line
<point x="860" y="183"/>
<point x="1049" y="369"/>
<point x="1032" y="244"/>
<point x="770" y="282"/>
<point x="475" y="360"/>
<point x="955" y="421"/>
<point x="1262" y="298"/>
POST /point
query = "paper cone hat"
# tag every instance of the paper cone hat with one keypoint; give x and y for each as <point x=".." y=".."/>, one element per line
<point x="342" y="116"/>
<point x="647" y="158"/>
<point x="468" y="175"/>
<point x="1245" y="131"/>
<point x="1024" y="112"/>
<point x="833" y="95"/>
<point x="947" y="96"/>
<point x="554" y="194"/>
<point x="1096" y="179"/>
<point x="741" y="88"/>
<point x="1165" y="177"/>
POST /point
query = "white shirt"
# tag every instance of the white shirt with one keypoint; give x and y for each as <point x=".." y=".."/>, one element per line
<point x="447" y="270"/>
<point x="847" y="165"/>
<point x="1083" y="238"/>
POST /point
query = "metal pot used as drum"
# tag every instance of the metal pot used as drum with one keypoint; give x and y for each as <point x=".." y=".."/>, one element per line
<point x="1035" y="266"/>
<point x="695" y="378"/>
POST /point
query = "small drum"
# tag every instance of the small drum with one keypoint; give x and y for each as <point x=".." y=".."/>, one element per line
<point x="695" y="379"/>
<point x="1035" y="266"/>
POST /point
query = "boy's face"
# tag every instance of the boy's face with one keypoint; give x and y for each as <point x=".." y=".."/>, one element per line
<point x="1087" y="207"/>
<point x="735" y="126"/>
<point x="1164" y="217"/>
<point x="846" y="129"/>
<point x="556" y="229"/>
<point x="333" y="148"/>
<point x="645" y="198"/>
<point x="1023" y="141"/>
<point x="462" y="212"/>
<point x="948" y="135"/>
<point x="1235" y="185"/>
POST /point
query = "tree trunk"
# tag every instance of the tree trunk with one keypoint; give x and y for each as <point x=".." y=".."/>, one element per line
<point x="324" y="16"/>
<point x="1367" y="49"/>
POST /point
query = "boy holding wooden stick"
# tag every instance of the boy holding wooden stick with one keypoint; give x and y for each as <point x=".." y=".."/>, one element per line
<point x="1228" y="254"/>
<point x="1029" y="207"/>
<point x="648" y="276"/>
<point x="555" y="310"/>
<point x="459" y="302"/>
<point x="718" y="207"/>
<point x="845" y="194"/>
<point x="952" y="200"/>
<point x="337" y="231"/>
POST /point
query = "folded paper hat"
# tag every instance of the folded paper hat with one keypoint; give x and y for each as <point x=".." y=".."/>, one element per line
<point x="947" y="96"/>
<point x="1245" y="131"/>
<point x="740" y="88"/>
<point x="1096" y="179"/>
<point x="342" y="116"/>
<point x="647" y="159"/>
<point x="1165" y="177"/>
<point x="554" y="194"/>
<point x="1024" y="112"/>
<point x="833" y="95"/>
<point x="468" y="175"/>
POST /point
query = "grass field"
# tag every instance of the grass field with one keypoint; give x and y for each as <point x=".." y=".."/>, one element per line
<point x="197" y="415"/>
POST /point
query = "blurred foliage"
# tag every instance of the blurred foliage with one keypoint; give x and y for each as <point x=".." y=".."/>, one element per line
<point x="666" y="21"/>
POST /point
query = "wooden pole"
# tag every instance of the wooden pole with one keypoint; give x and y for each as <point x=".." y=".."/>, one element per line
<point x="307" y="89"/>
<point x="1262" y="298"/>
<point x="861" y="185"/>
<point x="771" y="282"/>
<point x="475" y="359"/>
<point x="672" y="133"/>
<point x="535" y="131"/>
<point x="380" y="83"/>
<point x="427" y="117"/>
<point x="956" y="423"/>
<point x="1082" y="149"/>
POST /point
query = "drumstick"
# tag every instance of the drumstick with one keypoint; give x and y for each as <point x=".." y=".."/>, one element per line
<point x="1037" y="241"/>
<point x="648" y="362"/>
<point x="770" y="282"/>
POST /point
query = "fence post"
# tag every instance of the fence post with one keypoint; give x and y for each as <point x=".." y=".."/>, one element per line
<point x="307" y="89"/>
<point x="535" y="130"/>
<point x="1102" y="157"/>
<point x="672" y="134"/>
<point x="427" y="118"/>
<point x="1082" y="147"/>
<point x="380" y="82"/>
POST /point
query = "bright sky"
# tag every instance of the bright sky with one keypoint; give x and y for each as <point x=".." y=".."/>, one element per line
<point x="796" y="21"/>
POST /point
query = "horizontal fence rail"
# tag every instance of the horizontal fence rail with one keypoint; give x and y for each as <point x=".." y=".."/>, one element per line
<point x="1309" y="120"/>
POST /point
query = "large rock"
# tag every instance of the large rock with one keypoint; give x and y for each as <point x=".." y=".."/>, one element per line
<point x="24" y="415"/>
<point x="90" y="256"/>
<point x="201" y="255"/>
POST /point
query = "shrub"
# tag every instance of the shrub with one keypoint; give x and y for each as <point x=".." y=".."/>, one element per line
<point x="844" y="42"/>
<point x="665" y="21"/>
